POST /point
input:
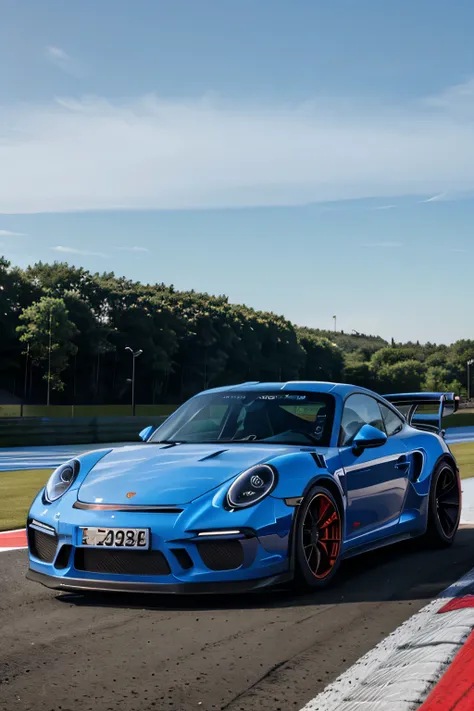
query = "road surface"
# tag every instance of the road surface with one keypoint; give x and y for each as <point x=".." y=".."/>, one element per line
<point x="266" y="652"/>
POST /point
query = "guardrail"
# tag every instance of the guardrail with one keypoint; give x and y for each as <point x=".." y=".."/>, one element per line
<point x="50" y="431"/>
<point x="11" y="411"/>
<point x="31" y="431"/>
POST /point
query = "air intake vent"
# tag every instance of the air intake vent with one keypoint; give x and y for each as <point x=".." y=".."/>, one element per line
<point x="121" y="562"/>
<point x="221" y="555"/>
<point x="213" y="455"/>
<point x="418" y="461"/>
<point x="319" y="459"/>
<point x="42" y="545"/>
<point x="62" y="561"/>
<point x="183" y="558"/>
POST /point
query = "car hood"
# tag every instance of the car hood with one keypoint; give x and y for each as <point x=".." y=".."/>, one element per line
<point x="163" y="475"/>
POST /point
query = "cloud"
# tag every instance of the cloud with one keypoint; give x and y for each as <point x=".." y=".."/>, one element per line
<point x="458" y="98"/>
<point x="150" y="153"/>
<point x="384" y="245"/>
<point x="63" y="60"/>
<point x="383" y="207"/>
<point x="80" y="252"/>
<point x="9" y="233"/>
<point x="133" y="249"/>
<point x="436" y="198"/>
<point x="57" y="54"/>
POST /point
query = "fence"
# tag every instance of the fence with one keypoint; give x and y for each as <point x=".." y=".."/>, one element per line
<point x="73" y="411"/>
<point x="30" y="431"/>
<point x="57" y="429"/>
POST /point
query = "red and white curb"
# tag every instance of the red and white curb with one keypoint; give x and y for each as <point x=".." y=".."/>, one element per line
<point x="12" y="540"/>
<point x="400" y="672"/>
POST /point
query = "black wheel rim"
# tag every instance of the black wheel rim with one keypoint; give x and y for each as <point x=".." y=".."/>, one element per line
<point x="321" y="535"/>
<point x="448" y="501"/>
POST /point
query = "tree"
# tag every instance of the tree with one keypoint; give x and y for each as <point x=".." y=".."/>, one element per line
<point x="405" y="376"/>
<point x="47" y="330"/>
<point x="15" y="294"/>
<point x="358" y="372"/>
<point x="436" y="379"/>
<point x="459" y="354"/>
<point x="190" y="341"/>
<point x="390" y="356"/>
<point x="324" y="360"/>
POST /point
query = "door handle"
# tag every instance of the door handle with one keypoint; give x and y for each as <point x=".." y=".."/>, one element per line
<point x="403" y="463"/>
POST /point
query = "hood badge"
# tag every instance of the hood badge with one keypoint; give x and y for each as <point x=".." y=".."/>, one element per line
<point x="130" y="494"/>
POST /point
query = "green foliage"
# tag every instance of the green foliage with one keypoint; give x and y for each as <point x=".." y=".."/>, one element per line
<point x="15" y="293"/>
<point x="47" y="333"/>
<point x="190" y="341"/>
<point x="436" y="378"/>
<point x="404" y="376"/>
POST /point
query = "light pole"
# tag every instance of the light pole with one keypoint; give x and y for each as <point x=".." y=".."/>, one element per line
<point x="25" y="389"/>
<point x="335" y="323"/>
<point x="135" y="355"/>
<point x="49" y="355"/>
<point x="469" y="363"/>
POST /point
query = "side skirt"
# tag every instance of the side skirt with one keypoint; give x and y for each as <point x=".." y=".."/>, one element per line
<point x="367" y="547"/>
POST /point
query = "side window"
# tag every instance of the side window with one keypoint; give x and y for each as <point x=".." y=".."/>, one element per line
<point x="359" y="410"/>
<point x="393" y="423"/>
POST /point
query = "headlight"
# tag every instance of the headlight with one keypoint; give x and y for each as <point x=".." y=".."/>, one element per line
<point x="61" y="480"/>
<point x="251" y="486"/>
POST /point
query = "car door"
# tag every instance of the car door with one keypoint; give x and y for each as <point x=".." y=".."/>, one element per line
<point x="376" y="479"/>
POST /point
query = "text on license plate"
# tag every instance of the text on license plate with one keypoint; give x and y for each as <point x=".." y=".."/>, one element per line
<point x="116" y="537"/>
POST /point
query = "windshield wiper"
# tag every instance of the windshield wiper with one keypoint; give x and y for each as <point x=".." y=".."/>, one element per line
<point x="171" y="442"/>
<point x="311" y="437"/>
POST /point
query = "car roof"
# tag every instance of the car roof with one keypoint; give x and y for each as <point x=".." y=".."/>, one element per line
<point x="341" y="389"/>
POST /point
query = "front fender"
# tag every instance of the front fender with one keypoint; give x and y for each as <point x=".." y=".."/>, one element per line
<point x="87" y="461"/>
<point x="299" y="471"/>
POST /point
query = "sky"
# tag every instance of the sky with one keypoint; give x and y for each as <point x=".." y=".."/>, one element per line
<point x="310" y="158"/>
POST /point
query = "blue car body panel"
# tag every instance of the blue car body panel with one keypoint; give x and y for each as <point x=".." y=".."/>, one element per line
<point x="179" y="492"/>
<point x="169" y="476"/>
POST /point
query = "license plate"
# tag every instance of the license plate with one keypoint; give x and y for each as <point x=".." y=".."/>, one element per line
<point x="137" y="538"/>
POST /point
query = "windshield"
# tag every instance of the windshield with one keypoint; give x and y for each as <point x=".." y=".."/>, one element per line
<point x="277" y="418"/>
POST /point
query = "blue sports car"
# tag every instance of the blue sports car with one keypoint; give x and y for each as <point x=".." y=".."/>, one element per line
<point x="247" y="486"/>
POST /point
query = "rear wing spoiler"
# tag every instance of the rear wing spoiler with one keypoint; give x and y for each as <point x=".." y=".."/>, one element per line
<point x="409" y="405"/>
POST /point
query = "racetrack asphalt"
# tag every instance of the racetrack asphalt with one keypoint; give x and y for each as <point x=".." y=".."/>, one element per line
<point x="271" y="651"/>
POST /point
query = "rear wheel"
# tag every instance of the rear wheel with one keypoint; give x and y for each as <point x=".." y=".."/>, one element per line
<point x="318" y="542"/>
<point x="444" y="506"/>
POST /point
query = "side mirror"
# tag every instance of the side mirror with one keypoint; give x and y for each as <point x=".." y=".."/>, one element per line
<point x="368" y="437"/>
<point x="146" y="433"/>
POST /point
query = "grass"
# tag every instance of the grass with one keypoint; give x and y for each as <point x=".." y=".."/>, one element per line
<point x="17" y="491"/>
<point x="18" y="488"/>
<point x="462" y="418"/>
<point x="464" y="454"/>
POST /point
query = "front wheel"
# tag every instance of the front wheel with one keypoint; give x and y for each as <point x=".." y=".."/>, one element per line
<point x="444" y="511"/>
<point x="318" y="542"/>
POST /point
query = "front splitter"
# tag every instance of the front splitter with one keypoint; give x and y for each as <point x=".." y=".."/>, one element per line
<point x="84" y="585"/>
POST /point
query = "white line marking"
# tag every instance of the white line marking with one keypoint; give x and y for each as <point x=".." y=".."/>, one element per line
<point x="13" y="530"/>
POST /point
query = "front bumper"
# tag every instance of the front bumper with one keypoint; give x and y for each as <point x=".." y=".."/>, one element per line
<point x="179" y="561"/>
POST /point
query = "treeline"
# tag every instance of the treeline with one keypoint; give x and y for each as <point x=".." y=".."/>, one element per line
<point x="76" y="326"/>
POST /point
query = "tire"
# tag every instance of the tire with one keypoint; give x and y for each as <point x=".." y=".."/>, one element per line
<point x="318" y="539"/>
<point x="444" y="507"/>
